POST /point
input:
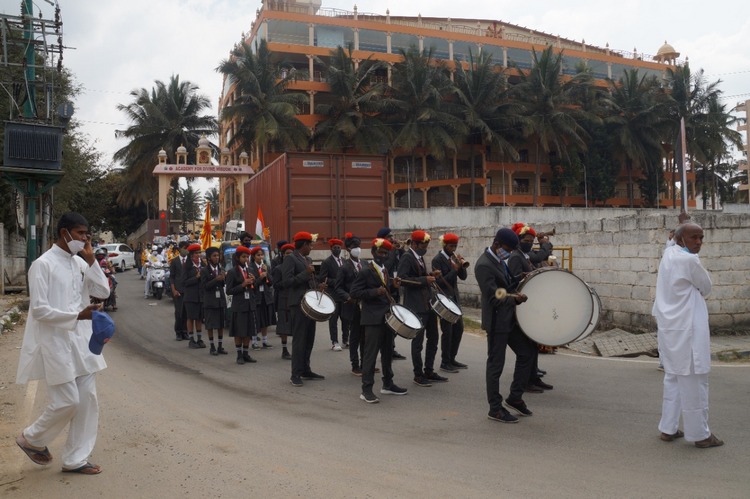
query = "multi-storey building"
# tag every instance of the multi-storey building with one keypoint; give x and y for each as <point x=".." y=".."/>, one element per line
<point x="303" y="33"/>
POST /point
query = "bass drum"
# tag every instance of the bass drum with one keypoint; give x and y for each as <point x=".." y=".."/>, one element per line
<point x="403" y="322"/>
<point x="559" y="309"/>
<point x="446" y="308"/>
<point x="595" y="318"/>
<point x="317" y="305"/>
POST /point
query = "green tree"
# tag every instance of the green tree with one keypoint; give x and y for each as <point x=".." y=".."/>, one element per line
<point x="190" y="204"/>
<point x="481" y="93"/>
<point x="212" y="198"/>
<point x="167" y="117"/>
<point x="265" y="114"/>
<point x="351" y="120"/>
<point x="553" y="115"/>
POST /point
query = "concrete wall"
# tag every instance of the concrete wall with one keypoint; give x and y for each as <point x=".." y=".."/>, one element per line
<point x="14" y="258"/>
<point x="616" y="251"/>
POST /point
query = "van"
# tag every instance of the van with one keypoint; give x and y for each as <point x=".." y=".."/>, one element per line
<point x="233" y="229"/>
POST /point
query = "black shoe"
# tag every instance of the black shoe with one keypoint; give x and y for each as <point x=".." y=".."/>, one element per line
<point x="533" y="389"/>
<point x="240" y="360"/>
<point x="397" y="356"/>
<point x="449" y="368"/>
<point x="421" y="381"/>
<point x="255" y="346"/>
<point x="266" y="346"/>
<point x="285" y="354"/>
<point x="356" y="371"/>
<point x="201" y="344"/>
<point x="178" y="337"/>
<point x="369" y="397"/>
<point x="540" y="372"/>
<point x="459" y="365"/>
<point x="393" y="390"/>
<point x="345" y="344"/>
<point x="542" y="384"/>
<point x="519" y="406"/>
<point x="247" y="358"/>
<point x="221" y="351"/>
<point x="213" y="351"/>
<point x="295" y="381"/>
<point x="184" y="335"/>
<point x="503" y="416"/>
<point x="433" y="376"/>
<point x="193" y="344"/>
<point x="312" y="375"/>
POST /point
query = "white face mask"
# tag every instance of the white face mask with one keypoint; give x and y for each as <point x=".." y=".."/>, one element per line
<point x="355" y="252"/>
<point x="74" y="245"/>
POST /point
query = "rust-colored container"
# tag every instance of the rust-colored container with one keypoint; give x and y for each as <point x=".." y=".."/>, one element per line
<point x="327" y="194"/>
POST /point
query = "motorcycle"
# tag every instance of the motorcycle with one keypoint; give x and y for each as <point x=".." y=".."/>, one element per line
<point x="158" y="279"/>
<point x="111" y="301"/>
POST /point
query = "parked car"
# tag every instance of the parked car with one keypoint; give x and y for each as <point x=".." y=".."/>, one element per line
<point x="120" y="255"/>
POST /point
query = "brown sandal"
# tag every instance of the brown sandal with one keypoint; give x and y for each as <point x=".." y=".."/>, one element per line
<point x="711" y="441"/>
<point x="37" y="455"/>
<point x="86" y="469"/>
<point x="666" y="437"/>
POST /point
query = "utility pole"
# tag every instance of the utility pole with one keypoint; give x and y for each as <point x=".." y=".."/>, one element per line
<point x="29" y="107"/>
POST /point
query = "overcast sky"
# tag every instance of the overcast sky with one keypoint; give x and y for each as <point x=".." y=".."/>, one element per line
<point x="117" y="46"/>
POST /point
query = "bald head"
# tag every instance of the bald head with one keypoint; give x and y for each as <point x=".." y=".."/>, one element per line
<point x="689" y="235"/>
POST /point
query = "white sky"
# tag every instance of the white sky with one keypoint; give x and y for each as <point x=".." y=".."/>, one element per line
<point x="122" y="45"/>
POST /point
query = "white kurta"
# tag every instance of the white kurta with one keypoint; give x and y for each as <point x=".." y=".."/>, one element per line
<point x="681" y="312"/>
<point x="55" y="342"/>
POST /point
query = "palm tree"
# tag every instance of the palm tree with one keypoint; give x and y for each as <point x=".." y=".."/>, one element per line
<point x="351" y="120"/>
<point x="266" y="115"/>
<point x="212" y="198"/>
<point x="638" y="124"/>
<point x="482" y="96"/>
<point x="189" y="201"/>
<point x="168" y="116"/>
<point x="417" y="109"/>
<point x="553" y="117"/>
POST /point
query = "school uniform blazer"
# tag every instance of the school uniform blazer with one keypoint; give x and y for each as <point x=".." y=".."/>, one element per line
<point x="295" y="278"/>
<point x="538" y="256"/>
<point x="329" y="269"/>
<point x="279" y="294"/>
<point x="267" y="289"/>
<point x="210" y="284"/>
<point x="342" y="289"/>
<point x="497" y="315"/>
<point x="175" y="273"/>
<point x="518" y="264"/>
<point x="449" y="275"/>
<point x="416" y="296"/>
<point x="191" y="282"/>
<point x="233" y="282"/>
<point x="365" y="288"/>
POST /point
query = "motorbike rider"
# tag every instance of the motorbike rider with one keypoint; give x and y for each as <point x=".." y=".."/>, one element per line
<point x="109" y="271"/>
<point x="155" y="257"/>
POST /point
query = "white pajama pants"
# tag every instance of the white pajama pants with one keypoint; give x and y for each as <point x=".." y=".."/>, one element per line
<point x="74" y="404"/>
<point x="686" y="395"/>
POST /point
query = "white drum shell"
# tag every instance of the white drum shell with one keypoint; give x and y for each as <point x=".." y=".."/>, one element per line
<point x="317" y="305"/>
<point x="595" y="318"/>
<point x="403" y="322"/>
<point x="560" y="306"/>
<point x="446" y="308"/>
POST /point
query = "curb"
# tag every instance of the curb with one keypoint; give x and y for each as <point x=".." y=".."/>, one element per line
<point x="731" y="355"/>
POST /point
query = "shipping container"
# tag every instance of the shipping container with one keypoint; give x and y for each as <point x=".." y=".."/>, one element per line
<point x="325" y="194"/>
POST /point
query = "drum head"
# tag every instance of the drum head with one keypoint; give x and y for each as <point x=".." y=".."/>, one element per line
<point x="596" y="316"/>
<point x="406" y="317"/>
<point x="320" y="302"/>
<point x="449" y="304"/>
<point x="559" y="309"/>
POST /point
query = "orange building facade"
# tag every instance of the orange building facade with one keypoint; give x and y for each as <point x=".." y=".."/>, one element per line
<point x="302" y="33"/>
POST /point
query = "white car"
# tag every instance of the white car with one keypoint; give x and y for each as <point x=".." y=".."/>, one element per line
<point x="120" y="255"/>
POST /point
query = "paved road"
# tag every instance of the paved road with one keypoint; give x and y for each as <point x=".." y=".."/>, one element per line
<point x="181" y="423"/>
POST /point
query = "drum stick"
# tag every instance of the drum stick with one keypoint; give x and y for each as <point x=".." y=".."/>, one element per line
<point x="501" y="293"/>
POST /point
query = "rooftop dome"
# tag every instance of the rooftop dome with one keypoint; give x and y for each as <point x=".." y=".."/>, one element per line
<point x="182" y="150"/>
<point x="203" y="142"/>
<point x="667" y="52"/>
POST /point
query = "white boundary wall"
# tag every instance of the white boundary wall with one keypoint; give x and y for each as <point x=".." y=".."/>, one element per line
<point x="615" y="250"/>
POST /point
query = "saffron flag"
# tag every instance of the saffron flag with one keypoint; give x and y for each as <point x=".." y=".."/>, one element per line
<point x="260" y="224"/>
<point x="206" y="230"/>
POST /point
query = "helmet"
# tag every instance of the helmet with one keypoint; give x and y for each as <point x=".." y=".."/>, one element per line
<point x="153" y="247"/>
<point x="100" y="252"/>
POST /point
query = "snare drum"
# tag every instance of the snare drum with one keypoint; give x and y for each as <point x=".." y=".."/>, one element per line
<point x="559" y="309"/>
<point x="318" y="305"/>
<point x="403" y="322"/>
<point x="446" y="308"/>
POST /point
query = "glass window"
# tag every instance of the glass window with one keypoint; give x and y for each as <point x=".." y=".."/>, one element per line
<point x="439" y="47"/>
<point x="519" y="57"/>
<point x="598" y="68"/>
<point x="495" y="51"/>
<point x="461" y="50"/>
<point x="287" y="32"/>
<point x="403" y="41"/>
<point x="373" y="41"/>
<point x="571" y="65"/>
<point x="618" y="70"/>
<point x="333" y="36"/>
<point x="125" y="249"/>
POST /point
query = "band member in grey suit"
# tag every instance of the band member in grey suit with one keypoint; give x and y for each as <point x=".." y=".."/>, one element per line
<point x="281" y="299"/>
<point x="451" y="267"/>
<point x="329" y="269"/>
<point x="175" y="278"/>
<point x="417" y="289"/>
<point x="350" y="311"/>
<point x="372" y="286"/>
<point x="499" y="321"/>
<point x="297" y="271"/>
<point x="214" y="300"/>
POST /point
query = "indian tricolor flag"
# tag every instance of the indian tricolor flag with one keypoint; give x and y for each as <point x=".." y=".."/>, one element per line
<point x="260" y="226"/>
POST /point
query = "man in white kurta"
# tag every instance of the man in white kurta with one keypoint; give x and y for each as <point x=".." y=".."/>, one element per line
<point x="56" y="343"/>
<point x="684" y="339"/>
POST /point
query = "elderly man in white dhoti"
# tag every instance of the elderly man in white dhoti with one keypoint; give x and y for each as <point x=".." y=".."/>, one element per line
<point x="56" y="346"/>
<point x="684" y="339"/>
